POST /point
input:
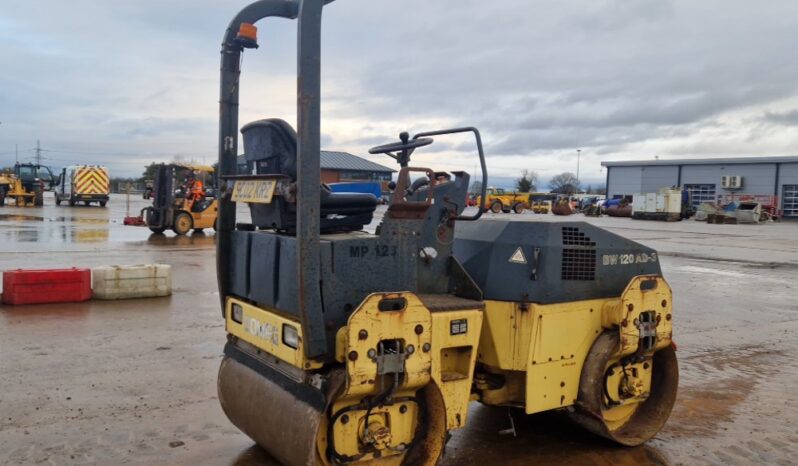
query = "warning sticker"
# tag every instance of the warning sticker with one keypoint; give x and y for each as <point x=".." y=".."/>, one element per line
<point x="518" y="257"/>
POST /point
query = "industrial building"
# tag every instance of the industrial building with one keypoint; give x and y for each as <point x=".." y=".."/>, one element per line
<point x="768" y="180"/>
<point x="339" y="167"/>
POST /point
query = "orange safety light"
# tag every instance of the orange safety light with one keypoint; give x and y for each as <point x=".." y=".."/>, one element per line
<point x="247" y="35"/>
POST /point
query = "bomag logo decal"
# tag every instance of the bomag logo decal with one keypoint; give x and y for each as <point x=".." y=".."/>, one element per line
<point x="628" y="259"/>
<point x="262" y="330"/>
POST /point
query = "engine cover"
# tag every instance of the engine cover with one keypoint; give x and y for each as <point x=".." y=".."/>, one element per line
<point x="549" y="262"/>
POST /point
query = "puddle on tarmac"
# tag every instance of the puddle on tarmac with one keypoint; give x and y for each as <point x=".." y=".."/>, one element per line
<point x="50" y="234"/>
<point x="48" y="312"/>
<point x="548" y="438"/>
<point x="545" y="438"/>
<point x="36" y="218"/>
<point x="718" y="385"/>
<point x="193" y="239"/>
<point x="709" y="407"/>
<point x="82" y="220"/>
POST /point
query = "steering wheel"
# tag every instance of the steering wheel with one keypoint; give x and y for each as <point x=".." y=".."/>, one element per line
<point x="406" y="144"/>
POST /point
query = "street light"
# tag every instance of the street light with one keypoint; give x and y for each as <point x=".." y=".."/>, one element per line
<point x="578" y="157"/>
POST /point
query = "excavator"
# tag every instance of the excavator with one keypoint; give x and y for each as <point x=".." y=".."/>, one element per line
<point x="352" y="347"/>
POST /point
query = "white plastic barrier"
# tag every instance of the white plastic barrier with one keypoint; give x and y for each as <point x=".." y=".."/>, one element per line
<point x="131" y="281"/>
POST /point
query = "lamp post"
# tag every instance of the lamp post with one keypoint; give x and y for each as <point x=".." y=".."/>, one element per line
<point x="578" y="157"/>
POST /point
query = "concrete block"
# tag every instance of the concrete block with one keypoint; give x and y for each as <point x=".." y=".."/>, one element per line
<point x="132" y="281"/>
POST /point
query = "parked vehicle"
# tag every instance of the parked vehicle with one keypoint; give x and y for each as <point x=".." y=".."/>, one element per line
<point x="541" y="203"/>
<point x="26" y="185"/>
<point x="498" y="200"/>
<point x="373" y="188"/>
<point x="83" y="183"/>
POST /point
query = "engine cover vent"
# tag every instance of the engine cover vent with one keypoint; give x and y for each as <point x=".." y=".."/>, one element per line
<point x="578" y="260"/>
<point x="571" y="236"/>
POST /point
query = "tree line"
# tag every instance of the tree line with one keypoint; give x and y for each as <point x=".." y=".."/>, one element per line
<point x="563" y="183"/>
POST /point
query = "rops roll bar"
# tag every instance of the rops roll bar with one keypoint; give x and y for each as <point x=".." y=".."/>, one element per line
<point x="240" y="35"/>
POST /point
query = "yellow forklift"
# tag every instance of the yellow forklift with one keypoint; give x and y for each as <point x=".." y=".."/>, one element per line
<point x="348" y="347"/>
<point x="176" y="205"/>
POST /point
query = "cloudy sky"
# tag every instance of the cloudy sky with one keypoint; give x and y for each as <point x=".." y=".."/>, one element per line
<point x="124" y="83"/>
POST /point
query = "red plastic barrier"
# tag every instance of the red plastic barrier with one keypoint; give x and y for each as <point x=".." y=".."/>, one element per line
<point x="46" y="286"/>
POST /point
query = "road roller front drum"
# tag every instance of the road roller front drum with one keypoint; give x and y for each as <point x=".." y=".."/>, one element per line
<point x="619" y="406"/>
<point x="288" y="425"/>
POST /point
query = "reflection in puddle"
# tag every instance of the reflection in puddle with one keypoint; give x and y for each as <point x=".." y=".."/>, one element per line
<point x="52" y="233"/>
<point x="89" y="236"/>
<point x="36" y="218"/>
<point x="94" y="221"/>
<point x="21" y="218"/>
<point x="26" y="236"/>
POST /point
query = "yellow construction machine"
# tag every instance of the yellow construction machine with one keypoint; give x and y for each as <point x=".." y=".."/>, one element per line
<point x="540" y="203"/>
<point x="498" y="200"/>
<point x="350" y="347"/>
<point x="183" y="199"/>
<point x="11" y="186"/>
<point x="26" y="184"/>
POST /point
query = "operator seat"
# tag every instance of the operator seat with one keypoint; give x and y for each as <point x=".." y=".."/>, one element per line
<point x="271" y="144"/>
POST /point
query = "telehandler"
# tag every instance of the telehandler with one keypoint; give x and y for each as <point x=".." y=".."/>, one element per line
<point x="26" y="185"/>
<point x="498" y="200"/>
<point x="346" y="347"/>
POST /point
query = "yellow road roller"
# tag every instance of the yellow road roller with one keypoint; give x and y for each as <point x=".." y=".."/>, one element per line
<point x="347" y="346"/>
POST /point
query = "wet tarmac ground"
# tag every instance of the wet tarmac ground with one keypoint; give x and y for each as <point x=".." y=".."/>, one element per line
<point x="134" y="382"/>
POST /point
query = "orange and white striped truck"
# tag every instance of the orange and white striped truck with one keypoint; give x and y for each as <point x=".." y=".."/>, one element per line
<point x="83" y="183"/>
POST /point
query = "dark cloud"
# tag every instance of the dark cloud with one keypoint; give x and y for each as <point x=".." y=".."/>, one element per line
<point x="782" y="118"/>
<point x="540" y="79"/>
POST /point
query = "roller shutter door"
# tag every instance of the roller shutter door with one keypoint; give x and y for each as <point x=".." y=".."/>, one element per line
<point x="789" y="200"/>
<point x="701" y="193"/>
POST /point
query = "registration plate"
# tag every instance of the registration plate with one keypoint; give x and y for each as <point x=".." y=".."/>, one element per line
<point x="255" y="191"/>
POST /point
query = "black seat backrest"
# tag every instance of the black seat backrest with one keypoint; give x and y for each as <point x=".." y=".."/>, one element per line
<point x="272" y="145"/>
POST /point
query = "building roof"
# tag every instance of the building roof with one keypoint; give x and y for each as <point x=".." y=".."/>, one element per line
<point x="336" y="160"/>
<point x="704" y="161"/>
